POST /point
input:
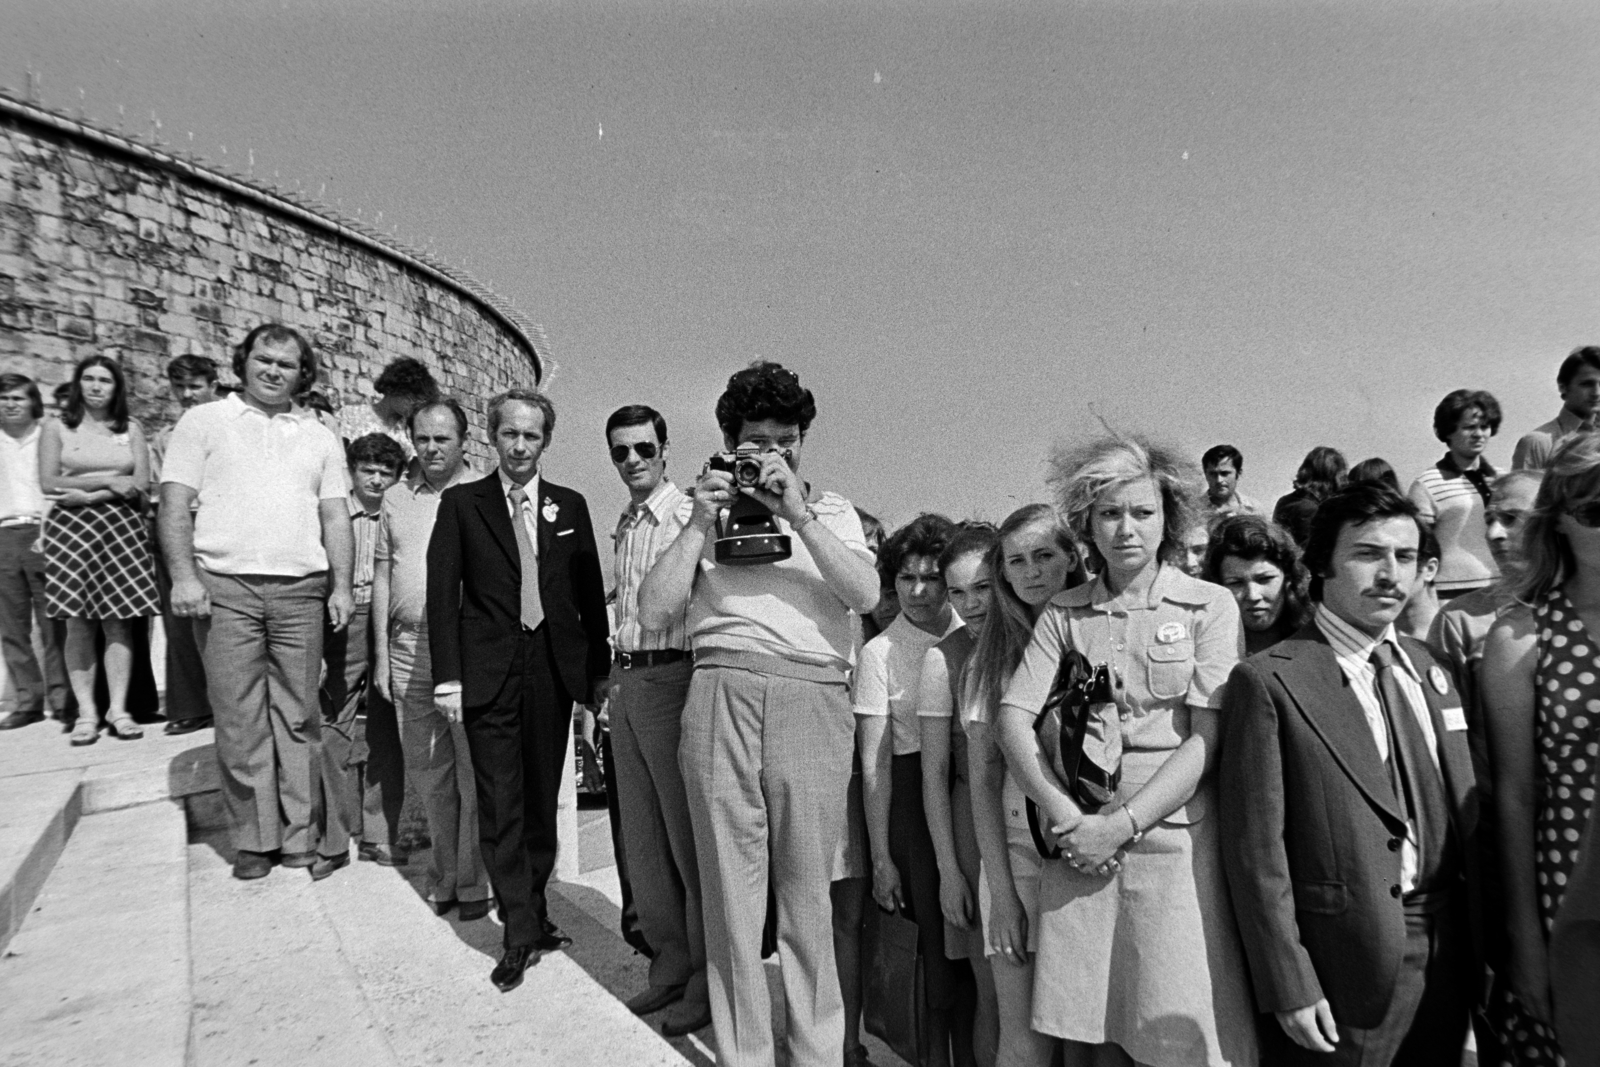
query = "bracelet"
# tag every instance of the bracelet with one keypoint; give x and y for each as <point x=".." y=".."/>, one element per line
<point x="1138" y="831"/>
<point x="807" y="517"/>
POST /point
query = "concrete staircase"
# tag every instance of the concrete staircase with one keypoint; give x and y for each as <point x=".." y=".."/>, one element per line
<point x="125" y="940"/>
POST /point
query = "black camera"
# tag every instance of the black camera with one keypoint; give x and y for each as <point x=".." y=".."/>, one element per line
<point x="751" y="533"/>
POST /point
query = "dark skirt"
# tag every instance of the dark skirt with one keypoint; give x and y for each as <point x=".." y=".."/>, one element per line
<point x="99" y="563"/>
<point x="911" y="848"/>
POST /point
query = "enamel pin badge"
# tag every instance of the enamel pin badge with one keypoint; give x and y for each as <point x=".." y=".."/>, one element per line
<point x="1440" y="683"/>
<point x="1171" y="633"/>
<point x="550" y="510"/>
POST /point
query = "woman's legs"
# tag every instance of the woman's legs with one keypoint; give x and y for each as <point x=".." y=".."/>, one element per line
<point x="79" y="654"/>
<point x="849" y="899"/>
<point x="119" y="666"/>
<point x="1020" y="1044"/>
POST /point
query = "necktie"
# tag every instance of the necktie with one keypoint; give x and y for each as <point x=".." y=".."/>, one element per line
<point x="532" y="606"/>
<point x="1419" y="788"/>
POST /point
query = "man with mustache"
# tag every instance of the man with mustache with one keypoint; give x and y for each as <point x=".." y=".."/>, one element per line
<point x="1349" y="811"/>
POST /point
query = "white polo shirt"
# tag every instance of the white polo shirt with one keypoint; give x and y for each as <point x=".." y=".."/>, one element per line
<point x="258" y="480"/>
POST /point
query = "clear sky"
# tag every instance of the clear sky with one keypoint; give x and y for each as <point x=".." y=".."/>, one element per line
<point x="970" y="228"/>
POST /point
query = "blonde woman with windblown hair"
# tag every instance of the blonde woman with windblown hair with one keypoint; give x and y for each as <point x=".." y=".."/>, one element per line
<point x="1139" y="960"/>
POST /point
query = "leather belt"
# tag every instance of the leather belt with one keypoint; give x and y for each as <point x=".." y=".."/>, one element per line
<point x="657" y="658"/>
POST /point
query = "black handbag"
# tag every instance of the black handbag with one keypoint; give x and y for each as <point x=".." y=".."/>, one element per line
<point x="1080" y="707"/>
<point x="892" y="1000"/>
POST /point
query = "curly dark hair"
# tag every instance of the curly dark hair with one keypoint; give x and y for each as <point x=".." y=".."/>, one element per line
<point x="765" y="390"/>
<point x="925" y="535"/>
<point x="1456" y="406"/>
<point x="408" y="378"/>
<point x="376" y="448"/>
<point x="1251" y="538"/>
<point x="1354" y="505"/>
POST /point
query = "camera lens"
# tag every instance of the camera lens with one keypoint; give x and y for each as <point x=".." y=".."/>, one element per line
<point x="747" y="473"/>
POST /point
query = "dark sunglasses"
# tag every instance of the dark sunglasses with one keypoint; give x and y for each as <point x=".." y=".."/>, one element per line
<point x="646" y="450"/>
<point x="1586" y="514"/>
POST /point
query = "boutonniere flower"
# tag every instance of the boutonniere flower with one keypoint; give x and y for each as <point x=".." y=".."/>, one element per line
<point x="550" y="510"/>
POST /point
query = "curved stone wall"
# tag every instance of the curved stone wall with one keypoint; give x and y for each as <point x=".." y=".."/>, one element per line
<point x="116" y="247"/>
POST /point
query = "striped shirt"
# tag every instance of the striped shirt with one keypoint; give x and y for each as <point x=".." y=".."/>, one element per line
<point x="643" y="532"/>
<point x="364" y="525"/>
<point x="1353" y="650"/>
<point x="1452" y="501"/>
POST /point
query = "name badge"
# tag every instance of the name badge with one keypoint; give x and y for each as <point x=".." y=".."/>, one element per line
<point x="1437" y="679"/>
<point x="1170" y="633"/>
<point x="1454" y="718"/>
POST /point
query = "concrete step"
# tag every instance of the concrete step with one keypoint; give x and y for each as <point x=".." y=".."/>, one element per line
<point x="271" y="982"/>
<point x="99" y="972"/>
<point x="37" y="816"/>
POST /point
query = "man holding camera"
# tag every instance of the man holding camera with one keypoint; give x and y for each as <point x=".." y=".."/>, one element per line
<point x="767" y="729"/>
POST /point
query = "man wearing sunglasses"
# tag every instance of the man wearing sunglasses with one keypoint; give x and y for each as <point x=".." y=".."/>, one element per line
<point x="650" y="683"/>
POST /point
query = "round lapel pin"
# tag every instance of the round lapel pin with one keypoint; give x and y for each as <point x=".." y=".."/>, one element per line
<point x="1437" y="679"/>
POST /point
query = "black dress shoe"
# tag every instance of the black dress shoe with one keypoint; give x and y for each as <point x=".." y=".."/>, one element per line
<point x="507" y="974"/>
<point x="382" y="855"/>
<point x="21" y="718"/>
<point x="188" y="726"/>
<point x="326" y="865"/>
<point x="470" y="911"/>
<point x="686" y="1018"/>
<point x="297" y="859"/>
<point x="442" y="908"/>
<point x="251" y="865"/>
<point x="552" y="939"/>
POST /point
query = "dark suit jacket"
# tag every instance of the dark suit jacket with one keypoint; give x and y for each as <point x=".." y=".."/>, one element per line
<point x="475" y="583"/>
<point x="1311" y="829"/>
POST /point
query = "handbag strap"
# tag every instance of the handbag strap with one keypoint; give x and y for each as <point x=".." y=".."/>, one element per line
<point x="1044" y="848"/>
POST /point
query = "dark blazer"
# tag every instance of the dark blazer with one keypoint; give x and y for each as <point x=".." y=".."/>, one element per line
<point x="475" y="582"/>
<point x="1311" y="829"/>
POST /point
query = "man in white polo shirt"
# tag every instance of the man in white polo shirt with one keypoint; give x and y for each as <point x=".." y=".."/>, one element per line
<point x="267" y="545"/>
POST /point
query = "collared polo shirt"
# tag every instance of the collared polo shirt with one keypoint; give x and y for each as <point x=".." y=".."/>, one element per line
<point x="1237" y="504"/>
<point x="1353" y="650"/>
<point x="364" y="525"/>
<point x="409" y="510"/>
<point x="887" y="680"/>
<point x="1452" y="501"/>
<point x="643" y="533"/>
<point x="1534" y="450"/>
<point x="258" y="480"/>
<point x="21" y="499"/>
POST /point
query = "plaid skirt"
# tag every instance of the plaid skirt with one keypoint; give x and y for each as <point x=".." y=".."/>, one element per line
<point x="99" y="563"/>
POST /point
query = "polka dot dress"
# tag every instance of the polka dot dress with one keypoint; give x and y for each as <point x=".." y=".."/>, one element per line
<point x="1567" y="721"/>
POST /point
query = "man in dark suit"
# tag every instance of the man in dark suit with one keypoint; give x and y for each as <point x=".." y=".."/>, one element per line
<point x="1349" y="809"/>
<point x="518" y="632"/>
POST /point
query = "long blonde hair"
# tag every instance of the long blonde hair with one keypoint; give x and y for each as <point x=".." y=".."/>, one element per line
<point x="1572" y="475"/>
<point x="1009" y="626"/>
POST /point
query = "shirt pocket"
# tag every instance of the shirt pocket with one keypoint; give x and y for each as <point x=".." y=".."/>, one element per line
<point x="1170" y="667"/>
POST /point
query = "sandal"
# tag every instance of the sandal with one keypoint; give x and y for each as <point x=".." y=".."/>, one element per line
<point x="86" y="731"/>
<point x="124" y="728"/>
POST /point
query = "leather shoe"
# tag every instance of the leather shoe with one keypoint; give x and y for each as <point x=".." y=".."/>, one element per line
<point x="552" y="940"/>
<point x="685" y="1018"/>
<point x="654" y="999"/>
<point x="21" y="718"/>
<point x="188" y="726"/>
<point x="251" y="865"/>
<point x="507" y="974"/>
<point x="326" y="865"/>
<point x="297" y="859"/>
<point x="382" y="855"/>
<point x="470" y="911"/>
<point x="442" y="908"/>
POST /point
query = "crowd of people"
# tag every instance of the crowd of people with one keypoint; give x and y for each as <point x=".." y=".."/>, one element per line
<point x="1156" y="777"/>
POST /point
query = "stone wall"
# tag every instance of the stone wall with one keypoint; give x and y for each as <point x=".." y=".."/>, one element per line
<point x="114" y="247"/>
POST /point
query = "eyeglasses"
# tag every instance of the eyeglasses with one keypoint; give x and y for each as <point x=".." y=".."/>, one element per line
<point x="1586" y="514"/>
<point x="646" y="450"/>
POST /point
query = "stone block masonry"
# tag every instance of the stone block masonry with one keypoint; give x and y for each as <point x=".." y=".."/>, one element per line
<point x="116" y="248"/>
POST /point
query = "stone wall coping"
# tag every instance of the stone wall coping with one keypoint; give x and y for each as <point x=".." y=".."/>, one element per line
<point x="529" y="334"/>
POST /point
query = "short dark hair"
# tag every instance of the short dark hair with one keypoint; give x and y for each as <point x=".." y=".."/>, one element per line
<point x="73" y="415"/>
<point x="1217" y="453"/>
<point x="1321" y="473"/>
<point x="316" y="400"/>
<point x="969" y="537"/>
<point x="276" y="333"/>
<point x="637" y="415"/>
<point x="450" y="404"/>
<point x="1456" y="406"/>
<point x="1251" y="538"/>
<point x="1579" y="358"/>
<point x="1354" y="505"/>
<point x="9" y="382"/>
<point x="925" y="535"/>
<point x="765" y="390"/>
<point x="376" y="448"/>
<point x="409" y="378"/>
<point x="1376" y="469"/>
<point x="498" y="403"/>
<point x="186" y="367"/>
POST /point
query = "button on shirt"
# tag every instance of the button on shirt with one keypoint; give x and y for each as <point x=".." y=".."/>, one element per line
<point x="21" y="500"/>
<point x="888" y="678"/>
<point x="643" y="533"/>
<point x="364" y="525"/>
<point x="1353" y="650"/>
<point x="258" y="480"/>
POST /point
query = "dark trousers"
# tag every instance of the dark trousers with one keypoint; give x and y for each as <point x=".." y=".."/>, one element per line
<point x="383" y="778"/>
<point x="1426" y="1025"/>
<point x="519" y="743"/>
<point x="186" y="671"/>
<point x="345" y="655"/>
<point x="630" y="911"/>
<point x="22" y="608"/>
